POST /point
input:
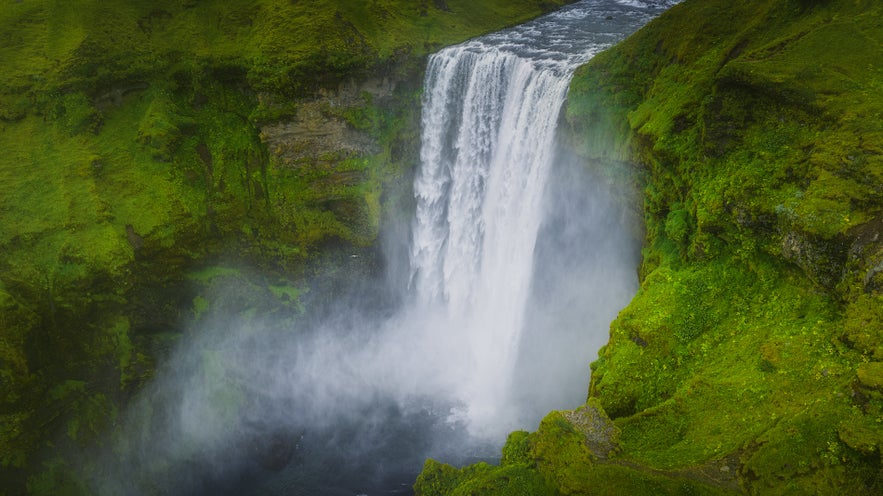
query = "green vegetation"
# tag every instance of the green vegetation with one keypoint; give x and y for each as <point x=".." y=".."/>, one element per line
<point x="153" y="149"/>
<point x="750" y="360"/>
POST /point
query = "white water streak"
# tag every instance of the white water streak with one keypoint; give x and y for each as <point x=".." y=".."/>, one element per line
<point x="489" y="123"/>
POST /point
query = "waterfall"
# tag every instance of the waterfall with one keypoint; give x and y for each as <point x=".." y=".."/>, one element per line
<point x="489" y="122"/>
<point x="490" y="112"/>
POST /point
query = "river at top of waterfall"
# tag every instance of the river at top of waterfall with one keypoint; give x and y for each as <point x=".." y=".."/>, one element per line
<point x="518" y="262"/>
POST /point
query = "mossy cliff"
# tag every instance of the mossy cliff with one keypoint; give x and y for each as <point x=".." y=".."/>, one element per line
<point x="751" y="359"/>
<point x="151" y="149"/>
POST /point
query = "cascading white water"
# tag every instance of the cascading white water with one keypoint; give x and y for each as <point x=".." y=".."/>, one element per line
<point x="490" y="113"/>
<point x="489" y="120"/>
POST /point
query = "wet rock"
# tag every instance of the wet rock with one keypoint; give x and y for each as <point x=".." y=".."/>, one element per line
<point x="315" y="136"/>
<point x="135" y="239"/>
<point x="601" y="435"/>
<point x="638" y="340"/>
<point x="821" y="259"/>
<point x="320" y="132"/>
<point x="866" y="254"/>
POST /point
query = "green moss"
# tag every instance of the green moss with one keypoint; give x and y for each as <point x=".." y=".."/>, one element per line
<point x="438" y="479"/>
<point x="862" y="433"/>
<point x="200" y="305"/>
<point x="870" y="375"/>
<point x="207" y="274"/>
<point x="95" y="44"/>
<point x="863" y="325"/>
<point x="616" y="480"/>
<point x="559" y="459"/>
<point x="57" y="478"/>
<point x="516" y="449"/>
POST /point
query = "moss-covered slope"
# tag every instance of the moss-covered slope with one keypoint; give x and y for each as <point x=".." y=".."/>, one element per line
<point x="751" y="359"/>
<point x="142" y="142"/>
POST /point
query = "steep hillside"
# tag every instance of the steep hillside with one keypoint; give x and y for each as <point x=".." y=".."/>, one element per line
<point x="151" y="150"/>
<point x="751" y="359"/>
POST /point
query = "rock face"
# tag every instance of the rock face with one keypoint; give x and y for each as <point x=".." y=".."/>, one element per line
<point x="749" y="361"/>
<point x="602" y="435"/>
<point x="320" y="132"/>
<point x="313" y="136"/>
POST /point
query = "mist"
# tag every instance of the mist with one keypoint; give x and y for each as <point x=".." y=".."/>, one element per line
<point x="357" y="397"/>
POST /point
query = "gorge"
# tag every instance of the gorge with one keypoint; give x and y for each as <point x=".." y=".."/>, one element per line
<point x="212" y="281"/>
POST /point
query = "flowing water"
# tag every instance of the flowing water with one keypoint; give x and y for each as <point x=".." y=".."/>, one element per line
<point x="518" y="262"/>
<point x="490" y="115"/>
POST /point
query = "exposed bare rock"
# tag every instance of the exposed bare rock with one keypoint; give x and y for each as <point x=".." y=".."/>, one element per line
<point x="602" y="436"/>
<point x="319" y="131"/>
<point x="315" y="136"/>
